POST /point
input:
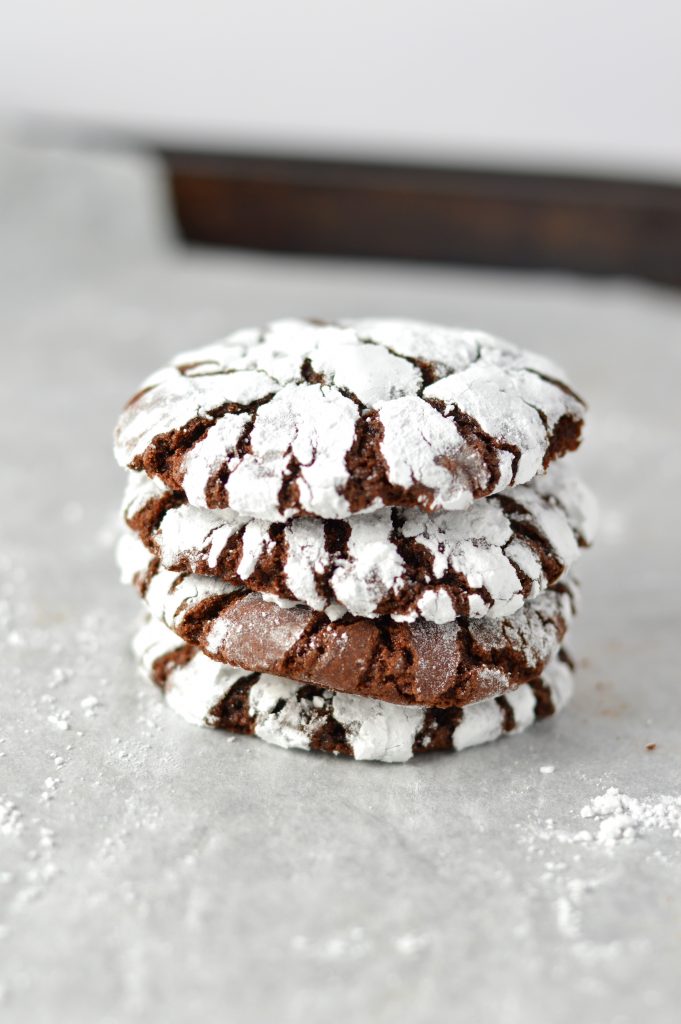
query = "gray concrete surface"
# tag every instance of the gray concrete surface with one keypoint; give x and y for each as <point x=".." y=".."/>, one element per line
<point x="150" y="871"/>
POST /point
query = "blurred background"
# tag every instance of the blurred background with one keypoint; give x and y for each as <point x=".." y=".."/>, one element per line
<point x="518" y="133"/>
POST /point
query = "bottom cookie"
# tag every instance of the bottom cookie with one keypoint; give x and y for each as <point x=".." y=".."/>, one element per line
<point x="289" y="714"/>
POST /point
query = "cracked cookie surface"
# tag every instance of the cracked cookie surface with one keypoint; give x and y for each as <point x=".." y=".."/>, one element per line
<point x="487" y="559"/>
<point x="419" y="663"/>
<point x="307" y="418"/>
<point x="289" y="714"/>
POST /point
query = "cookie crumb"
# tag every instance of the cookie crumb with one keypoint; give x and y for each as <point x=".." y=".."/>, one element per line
<point x="651" y="746"/>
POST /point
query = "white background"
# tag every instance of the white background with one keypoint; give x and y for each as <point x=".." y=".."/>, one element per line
<point x="589" y="84"/>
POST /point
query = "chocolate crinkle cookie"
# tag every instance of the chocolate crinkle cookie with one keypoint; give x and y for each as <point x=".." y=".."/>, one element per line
<point x="406" y="563"/>
<point x="421" y="663"/>
<point x="332" y="419"/>
<point x="356" y="537"/>
<point x="294" y="715"/>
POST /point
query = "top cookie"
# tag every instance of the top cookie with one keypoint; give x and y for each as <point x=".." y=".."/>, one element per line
<point x="305" y="418"/>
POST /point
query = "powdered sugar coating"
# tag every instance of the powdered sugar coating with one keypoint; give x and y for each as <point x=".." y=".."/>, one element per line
<point x="422" y="663"/>
<point x="288" y="715"/>
<point x="200" y="685"/>
<point x="422" y="448"/>
<point x="333" y="419"/>
<point x="375" y="730"/>
<point x="484" y="560"/>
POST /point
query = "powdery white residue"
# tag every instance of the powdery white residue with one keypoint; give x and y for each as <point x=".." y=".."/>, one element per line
<point x="411" y="944"/>
<point x="11" y="819"/>
<point x="617" y="819"/>
<point x="349" y="944"/>
<point x="60" y="720"/>
<point x="89" y="705"/>
<point x="576" y="883"/>
<point x="49" y="789"/>
<point x="622" y="819"/>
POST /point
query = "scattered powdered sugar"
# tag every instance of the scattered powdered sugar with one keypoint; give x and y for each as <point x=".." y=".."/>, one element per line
<point x="11" y="819"/>
<point x="622" y="819"/>
<point x="47" y="674"/>
<point x="349" y="944"/>
<point x="411" y="944"/>
<point x="89" y="705"/>
<point x="355" y="943"/>
<point x="60" y="720"/>
<point x="581" y="866"/>
<point x="49" y="789"/>
<point x="615" y="819"/>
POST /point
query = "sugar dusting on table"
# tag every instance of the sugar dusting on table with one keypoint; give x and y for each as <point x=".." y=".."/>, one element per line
<point x="582" y="865"/>
<point x="60" y="709"/>
<point x="618" y="818"/>
<point x="622" y="818"/>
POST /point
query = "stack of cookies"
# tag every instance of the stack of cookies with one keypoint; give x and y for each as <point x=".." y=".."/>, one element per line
<point x="355" y="537"/>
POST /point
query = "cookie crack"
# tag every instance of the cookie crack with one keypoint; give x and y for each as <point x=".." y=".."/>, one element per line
<point x="563" y="587"/>
<point x="146" y="521"/>
<point x="426" y="368"/>
<point x="437" y="731"/>
<point x="289" y="492"/>
<point x="508" y="721"/>
<point x="481" y="442"/>
<point x="215" y="490"/>
<point x="232" y="710"/>
<point x="197" y="622"/>
<point x="527" y="530"/>
<point x="305" y="648"/>
<point x="543" y="706"/>
<point x="506" y="657"/>
<point x="561" y="385"/>
<point x="171" y="660"/>
<point x="524" y="580"/>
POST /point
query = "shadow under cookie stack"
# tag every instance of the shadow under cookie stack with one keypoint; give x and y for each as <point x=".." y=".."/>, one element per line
<point x="355" y="537"/>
